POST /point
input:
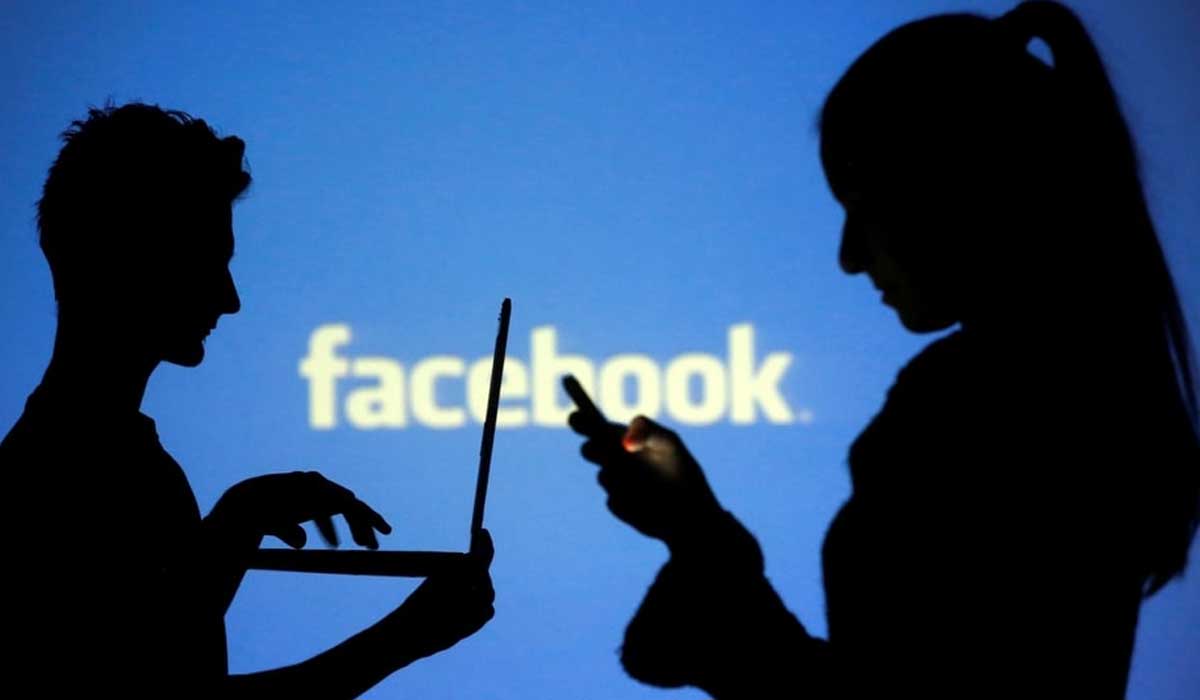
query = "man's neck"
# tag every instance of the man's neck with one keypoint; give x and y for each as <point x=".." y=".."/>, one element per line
<point x="101" y="365"/>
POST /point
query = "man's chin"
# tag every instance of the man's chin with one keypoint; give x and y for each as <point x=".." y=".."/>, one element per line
<point x="190" y="356"/>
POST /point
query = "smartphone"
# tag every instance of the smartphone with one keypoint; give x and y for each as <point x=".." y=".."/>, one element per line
<point x="595" y="424"/>
<point x="591" y="413"/>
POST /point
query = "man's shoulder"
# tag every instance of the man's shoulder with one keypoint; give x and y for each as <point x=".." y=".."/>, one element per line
<point x="50" y="456"/>
<point x="39" y="433"/>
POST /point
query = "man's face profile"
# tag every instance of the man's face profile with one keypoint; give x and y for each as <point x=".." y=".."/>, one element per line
<point x="169" y="286"/>
<point x="193" y="286"/>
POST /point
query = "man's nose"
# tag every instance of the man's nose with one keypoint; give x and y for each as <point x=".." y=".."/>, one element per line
<point x="232" y="302"/>
<point x="852" y="253"/>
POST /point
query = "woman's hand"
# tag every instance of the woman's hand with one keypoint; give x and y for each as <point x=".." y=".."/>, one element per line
<point x="653" y="482"/>
<point x="277" y="504"/>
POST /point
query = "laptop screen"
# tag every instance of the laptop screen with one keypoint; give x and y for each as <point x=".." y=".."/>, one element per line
<point x="409" y="562"/>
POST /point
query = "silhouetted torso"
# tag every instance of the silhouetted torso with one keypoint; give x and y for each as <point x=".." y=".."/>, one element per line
<point x="107" y="562"/>
<point x="989" y="547"/>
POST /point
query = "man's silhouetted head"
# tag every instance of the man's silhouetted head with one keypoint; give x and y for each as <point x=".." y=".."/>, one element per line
<point x="135" y="221"/>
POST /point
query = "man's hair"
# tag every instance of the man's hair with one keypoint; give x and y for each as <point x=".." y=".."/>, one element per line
<point x="121" y="185"/>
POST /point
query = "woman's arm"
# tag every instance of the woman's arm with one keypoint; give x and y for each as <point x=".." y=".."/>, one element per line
<point x="711" y="619"/>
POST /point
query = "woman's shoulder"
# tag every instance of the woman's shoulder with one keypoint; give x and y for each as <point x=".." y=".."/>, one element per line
<point x="963" y="368"/>
<point x="966" y="399"/>
<point x="934" y="361"/>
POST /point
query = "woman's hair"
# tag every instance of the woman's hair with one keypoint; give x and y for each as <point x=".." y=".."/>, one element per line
<point x="954" y="114"/>
<point x="125" y="180"/>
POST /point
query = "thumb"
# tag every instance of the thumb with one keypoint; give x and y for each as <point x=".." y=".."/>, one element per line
<point x="654" y="445"/>
<point x="642" y="432"/>
<point x="483" y="549"/>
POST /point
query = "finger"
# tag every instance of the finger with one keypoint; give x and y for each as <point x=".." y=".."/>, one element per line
<point x="488" y="592"/>
<point x="619" y="508"/>
<point x="587" y="424"/>
<point x="580" y="423"/>
<point x="604" y="477"/>
<point x="643" y="432"/>
<point x="479" y="592"/>
<point x="617" y="482"/>
<point x="471" y="621"/>
<point x="605" y="453"/>
<point x="593" y="452"/>
<point x="292" y="535"/>
<point x="351" y="504"/>
<point x="636" y="435"/>
<point x="592" y="425"/>
<point x="375" y="520"/>
<point x="328" y="532"/>
<point x="358" y="517"/>
<point x="580" y="396"/>
<point x="333" y="498"/>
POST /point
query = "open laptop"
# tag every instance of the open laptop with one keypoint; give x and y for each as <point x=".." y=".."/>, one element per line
<point x="420" y="564"/>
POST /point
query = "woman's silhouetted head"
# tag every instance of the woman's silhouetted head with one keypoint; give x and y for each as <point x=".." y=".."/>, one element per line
<point x="135" y="221"/>
<point x="943" y="142"/>
<point x="985" y="186"/>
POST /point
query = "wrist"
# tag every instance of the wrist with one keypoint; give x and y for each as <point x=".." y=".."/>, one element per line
<point x="225" y="529"/>
<point x="397" y="633"/>
<point x="695" y="526"/>
<point x="716" y="539"/>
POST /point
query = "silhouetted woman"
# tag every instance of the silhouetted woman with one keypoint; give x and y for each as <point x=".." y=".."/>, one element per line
<point x="1031" y="476"/>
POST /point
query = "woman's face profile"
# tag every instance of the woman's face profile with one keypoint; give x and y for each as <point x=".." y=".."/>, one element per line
<point x="880" y="240"/>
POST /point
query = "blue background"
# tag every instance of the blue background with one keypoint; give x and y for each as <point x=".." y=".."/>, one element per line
<point x="639" y="175"/>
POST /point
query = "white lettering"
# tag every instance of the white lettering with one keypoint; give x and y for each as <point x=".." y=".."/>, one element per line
<point x="382" y="405"/>
<point x="695" y="389"/>
<point x="749" y="387"/>
<point x="323" y="368"/>
<point x="647" y="392"/>
<point x="514" y="384"/>
<point x="548" y="366"/>
<point x="711" y="373"/>
<point x="424" y="392"/>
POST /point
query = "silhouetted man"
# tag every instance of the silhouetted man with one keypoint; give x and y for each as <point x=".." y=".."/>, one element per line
<point x="120" y="587"/>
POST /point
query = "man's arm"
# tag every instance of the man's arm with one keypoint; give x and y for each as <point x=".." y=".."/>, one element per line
<point x="444" y="610"/>
<point x="345" y="671"/>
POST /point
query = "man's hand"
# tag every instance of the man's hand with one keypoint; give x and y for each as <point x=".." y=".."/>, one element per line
<point x="277" y="504"/>
<point x="447" y="607"/>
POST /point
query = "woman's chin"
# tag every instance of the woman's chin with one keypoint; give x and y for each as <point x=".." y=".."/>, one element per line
<point x="924" y="323"/>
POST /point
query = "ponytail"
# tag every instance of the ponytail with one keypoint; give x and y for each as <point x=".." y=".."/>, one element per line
<point x="1128" y="233"/>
